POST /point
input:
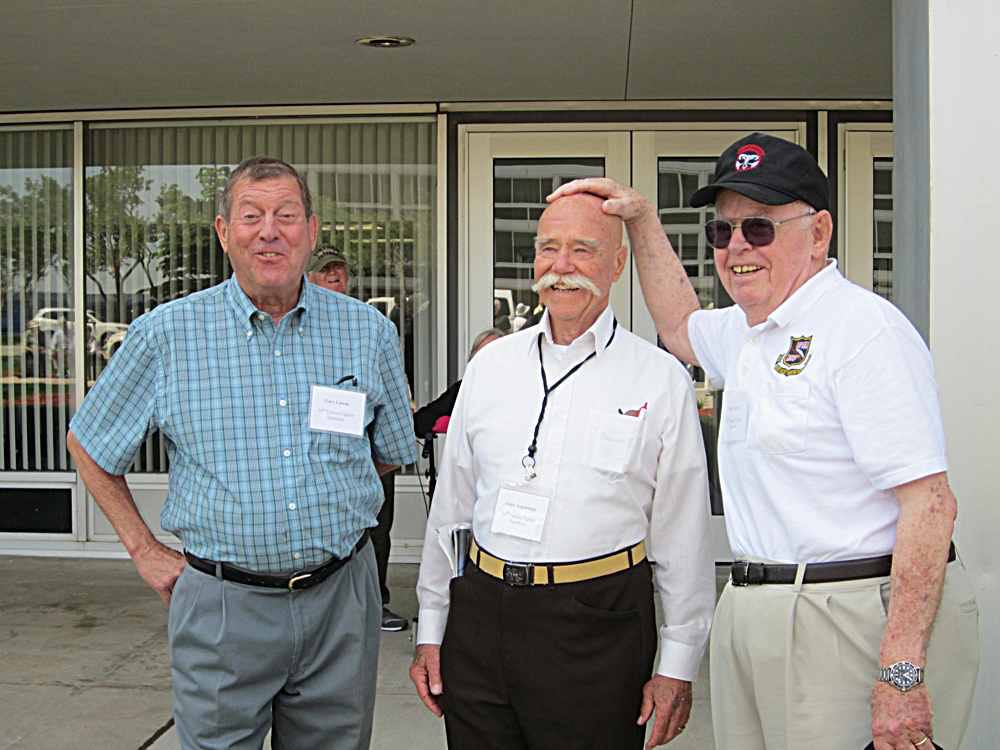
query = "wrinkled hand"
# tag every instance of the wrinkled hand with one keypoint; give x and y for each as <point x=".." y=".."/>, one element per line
<point x="160" y="567"/>
<point x="900" y="720"/>
<point x="671" y="700"/>
<point x="425" y="672"/>
<point x="620" y="201"/>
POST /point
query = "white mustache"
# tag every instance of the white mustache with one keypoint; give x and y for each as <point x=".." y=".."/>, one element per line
<point x="572" y="279"/>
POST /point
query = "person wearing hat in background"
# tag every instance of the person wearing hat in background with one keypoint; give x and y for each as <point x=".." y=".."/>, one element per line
<point x="328" y="268"/>
<point x="848" y="615"/>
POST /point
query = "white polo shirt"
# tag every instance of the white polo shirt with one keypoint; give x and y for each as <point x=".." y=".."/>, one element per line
<point x="611" y="478"/>
<point x="828" y="405"/>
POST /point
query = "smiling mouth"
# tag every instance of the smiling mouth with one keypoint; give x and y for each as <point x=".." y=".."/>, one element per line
<point x="744" y="270"/>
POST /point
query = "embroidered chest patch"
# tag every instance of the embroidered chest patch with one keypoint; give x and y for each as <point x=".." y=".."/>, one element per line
<point x="796" y="358"/>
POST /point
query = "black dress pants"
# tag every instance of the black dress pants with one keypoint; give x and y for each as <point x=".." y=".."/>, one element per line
<point x="547" y="667"/>
<point x="381" y="541"/>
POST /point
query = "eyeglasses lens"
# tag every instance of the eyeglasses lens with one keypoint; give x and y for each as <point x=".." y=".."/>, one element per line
<point x="757" y="231"/>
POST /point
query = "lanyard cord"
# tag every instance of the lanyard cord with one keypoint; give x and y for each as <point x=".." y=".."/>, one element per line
<point x="529" y="460"/>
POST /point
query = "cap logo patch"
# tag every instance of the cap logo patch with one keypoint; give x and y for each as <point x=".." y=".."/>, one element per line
<point x="749" y="157"/>
<point x="796" y="358"/>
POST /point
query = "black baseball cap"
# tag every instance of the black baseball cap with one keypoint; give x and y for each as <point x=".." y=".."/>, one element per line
<point x="768" y="170"/>
<point x="324" y="257"/>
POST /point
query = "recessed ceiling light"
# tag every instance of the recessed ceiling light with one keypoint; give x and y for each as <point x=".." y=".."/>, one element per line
<point x="385" y="41"/>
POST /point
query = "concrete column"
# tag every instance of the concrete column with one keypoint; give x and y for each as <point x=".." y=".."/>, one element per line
<point x="948" y="132"/>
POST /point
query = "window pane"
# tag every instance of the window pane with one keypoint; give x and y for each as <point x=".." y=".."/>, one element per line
<point x="519" y="190"/>
<point x="882" y="229"/>
<point x="150" y="206"/>
<point x="37" y="329"/>
<point x="684" y="226"/>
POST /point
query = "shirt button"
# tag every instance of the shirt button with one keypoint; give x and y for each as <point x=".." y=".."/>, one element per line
<point x="297" y="556"/>
<point x="291" y="506"/>
<point x="282" y="403"/>
<point x="277" y="354"/>
<point x="249" y="334"/>
<point x="286" y="453"/>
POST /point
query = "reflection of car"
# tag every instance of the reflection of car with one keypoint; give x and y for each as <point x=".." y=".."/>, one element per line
<point x="385" y="305"/>
<point x="41" y="329"/>
<point x="112" y="344"/>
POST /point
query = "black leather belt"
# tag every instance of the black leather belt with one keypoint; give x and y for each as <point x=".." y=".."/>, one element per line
<point x="746" y="573"/>
<point x="300" y="579"/>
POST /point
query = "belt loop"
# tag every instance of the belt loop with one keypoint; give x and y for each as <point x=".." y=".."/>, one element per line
<point x="631" y="562"/>
<point x="218" y="570"/>
<point x="800" y="574"/>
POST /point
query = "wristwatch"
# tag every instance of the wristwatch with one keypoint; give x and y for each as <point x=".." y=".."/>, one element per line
<point x="902" y="675"/>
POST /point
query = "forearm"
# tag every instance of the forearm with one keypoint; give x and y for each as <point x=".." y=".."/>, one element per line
<point x="114" y="498"/>
<point x="665" y="285"/>
<point x="923" y="533"/>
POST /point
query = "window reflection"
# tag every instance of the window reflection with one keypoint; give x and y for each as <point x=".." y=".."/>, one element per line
<point x="882" y="230"/>
<point x="150" y="203"/>
<point x="38" y="335"/>
<point x="519" y="190"/>
<point x="677" y="180"/>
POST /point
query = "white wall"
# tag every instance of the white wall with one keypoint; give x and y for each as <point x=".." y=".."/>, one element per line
<point x="964" y="318"/>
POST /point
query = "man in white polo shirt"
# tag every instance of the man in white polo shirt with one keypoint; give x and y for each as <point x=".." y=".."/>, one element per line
<point x="571" y="444"/>
<point x="847" y="612"/>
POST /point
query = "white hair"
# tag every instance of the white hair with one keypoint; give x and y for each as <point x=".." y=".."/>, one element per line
<point x="570" y="279"/>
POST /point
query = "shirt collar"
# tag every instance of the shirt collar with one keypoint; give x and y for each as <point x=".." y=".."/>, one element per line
<point x="599" y="332"/>
<point x="806" y="295"/>
<point x="247" y="311"/>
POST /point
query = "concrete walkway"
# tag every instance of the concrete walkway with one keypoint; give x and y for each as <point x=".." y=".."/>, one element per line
<point x="83" y="664"/>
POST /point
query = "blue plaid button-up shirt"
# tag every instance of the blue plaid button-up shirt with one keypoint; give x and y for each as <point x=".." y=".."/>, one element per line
<point x="250" y="482"/>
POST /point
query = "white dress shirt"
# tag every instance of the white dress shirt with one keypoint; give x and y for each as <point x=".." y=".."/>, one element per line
<point x="612" y="479"/>
<point x="815" y="434"/>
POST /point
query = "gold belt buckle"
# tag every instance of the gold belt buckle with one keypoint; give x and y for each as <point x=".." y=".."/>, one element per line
<point x="293" y="579"/>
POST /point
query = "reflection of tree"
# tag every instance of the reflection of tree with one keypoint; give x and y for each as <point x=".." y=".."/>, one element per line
<point x="35" y="232"/>
<point x="116" y="234"/>
<point x="189" y="256"/>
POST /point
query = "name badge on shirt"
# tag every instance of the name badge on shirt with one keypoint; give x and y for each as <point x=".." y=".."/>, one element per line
<point x="337" y="410"/>
<point x="519" y="513"/>
<point x="735" y="417"/>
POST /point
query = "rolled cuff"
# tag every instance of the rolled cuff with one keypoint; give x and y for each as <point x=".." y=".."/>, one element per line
<point x="430" y="626"/>
<point x="677" y="660"/>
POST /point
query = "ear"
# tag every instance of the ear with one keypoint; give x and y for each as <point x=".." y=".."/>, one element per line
<point x="222" y="230"/>
<point x="621" y="255"/>
<point x="313" y="231"/>
<point x="822" y="233"/>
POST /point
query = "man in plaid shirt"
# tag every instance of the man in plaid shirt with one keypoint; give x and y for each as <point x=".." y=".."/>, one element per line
<point x="273" y="395"/>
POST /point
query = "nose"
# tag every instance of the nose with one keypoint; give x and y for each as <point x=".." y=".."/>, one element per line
<point x="268" y="228"/>
<point x="563" y="263"/>
<point x="737" y="242"/>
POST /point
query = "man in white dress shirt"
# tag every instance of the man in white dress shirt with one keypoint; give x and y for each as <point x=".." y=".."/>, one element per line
<point x="572" y="446"/>
<point x="846" y="592"/>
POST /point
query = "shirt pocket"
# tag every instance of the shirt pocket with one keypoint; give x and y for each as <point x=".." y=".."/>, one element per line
<point x="612" y="440"/>
<point x="780" y="423"/>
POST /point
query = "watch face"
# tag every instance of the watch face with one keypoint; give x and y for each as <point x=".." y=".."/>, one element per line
<point x="903" y="675"/>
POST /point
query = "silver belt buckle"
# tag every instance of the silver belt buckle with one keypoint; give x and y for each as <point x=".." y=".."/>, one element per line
<point x="743" y="565"/>
<point x="295" y="579"/>
<point x="518" y="574"/>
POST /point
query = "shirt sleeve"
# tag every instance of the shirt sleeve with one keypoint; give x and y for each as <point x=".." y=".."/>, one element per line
<point x="426" y="416"/>
<point x="888" y="404"/>
<point x="454" y="498"/>
<point x="120" y="410"/>
<point x="392" y="433"/>
<point x="705" y="333"/>
<point x="679" y="539"/>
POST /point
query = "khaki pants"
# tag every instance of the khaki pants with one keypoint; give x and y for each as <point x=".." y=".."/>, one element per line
<point x="793" y="665"/>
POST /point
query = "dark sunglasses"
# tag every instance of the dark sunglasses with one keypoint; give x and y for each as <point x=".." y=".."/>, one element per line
<point x="757" y="230"/>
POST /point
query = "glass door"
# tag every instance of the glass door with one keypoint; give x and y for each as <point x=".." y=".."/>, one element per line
<point x="668" y="166"/>
<point x="507" y="176"/>
<point x="866" y="219"/>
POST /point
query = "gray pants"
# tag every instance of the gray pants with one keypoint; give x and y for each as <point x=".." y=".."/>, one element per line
<point x="302" y="663"/>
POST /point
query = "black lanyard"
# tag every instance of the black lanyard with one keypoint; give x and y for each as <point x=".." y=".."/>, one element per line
<point x="528" y="462"/>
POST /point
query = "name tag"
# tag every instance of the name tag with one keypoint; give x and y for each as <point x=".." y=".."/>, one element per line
<point x="520" y="514"/>
<point x="735" y="417"/>
<point x="337" y="410"/>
